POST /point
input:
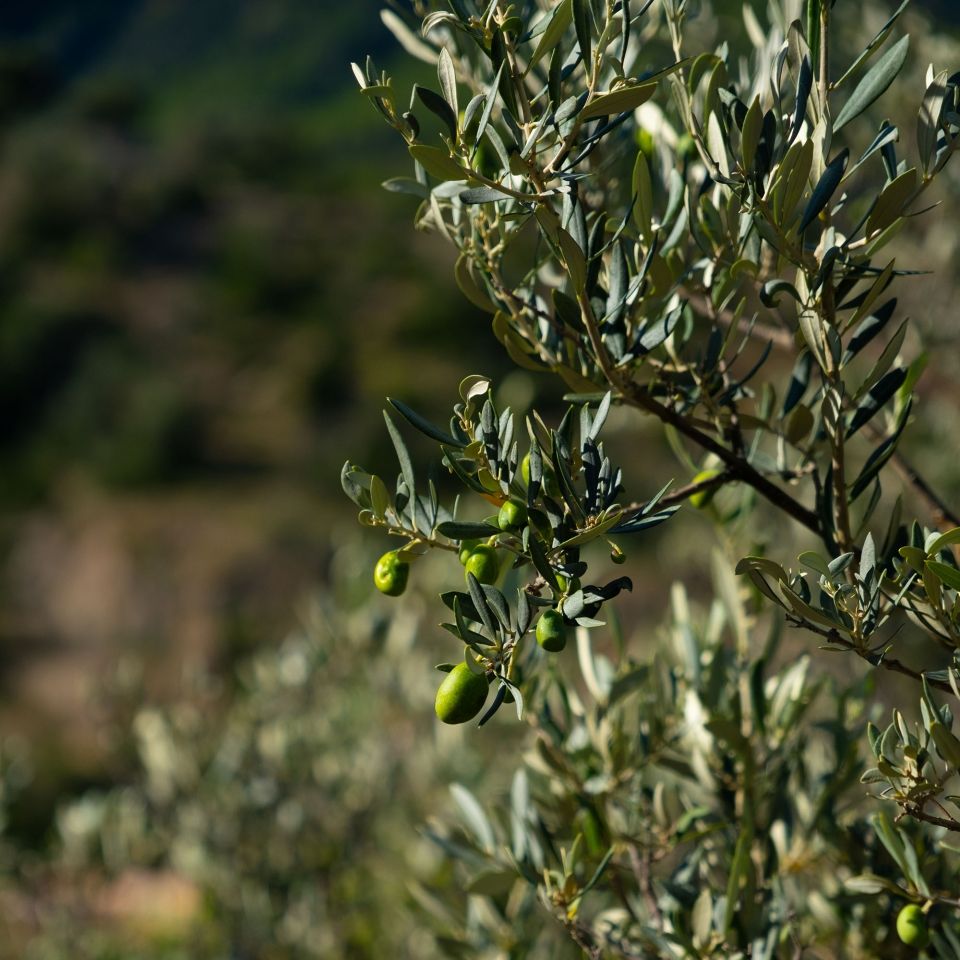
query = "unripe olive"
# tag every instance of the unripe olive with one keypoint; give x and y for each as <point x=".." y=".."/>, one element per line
<point x="912" y="926"/>
<point x="686" y="148"/>
<point x="548" y="481"/>
<point x="702" y="497"/>
<point x="552" y="631"/>
<point x="461" y="695"/>
<point x="483" y="563"/>
<point x="644" y="140"/>
<point x="512" y="515"/>
<point x="566" y="585"/>
<point x="466" y="548"/>
<point x="390" y="574"/>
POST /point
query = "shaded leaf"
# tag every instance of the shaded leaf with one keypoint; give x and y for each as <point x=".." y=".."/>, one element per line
<point x="876" y="398"/>
<point x="824" y="189"/>
<point x="424" y="425"/>
<point x="876" y="81"/>
<point x="616" y="101"/>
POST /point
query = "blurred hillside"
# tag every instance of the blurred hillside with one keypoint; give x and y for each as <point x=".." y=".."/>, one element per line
<point x="191" y="236"/>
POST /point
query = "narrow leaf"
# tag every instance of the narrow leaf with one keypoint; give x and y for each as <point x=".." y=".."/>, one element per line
<point x="424" y="425"/>
<point x="824" y="189"/>
<point x="582" y="21"/>
<point x="439" y="107"/>
<point x="447" y="75"/>
<point x="437" y="162"/>
<point x="873" y="85"/>
<point x="466" y="530"/>
<point x="403" y="456"/>
<point x="624" y="98"/>
<point x="876" y="398"/>
<point x="559" y="22"/>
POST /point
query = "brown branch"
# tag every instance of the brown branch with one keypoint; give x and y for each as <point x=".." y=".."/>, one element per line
<point x="943" y="515"/>
<point x="875" y="660"/>
<point x="583" y="938"/>
<point x="918" y="814"/>
<point x="737" y="468"/>
<point x="641" y="870"/>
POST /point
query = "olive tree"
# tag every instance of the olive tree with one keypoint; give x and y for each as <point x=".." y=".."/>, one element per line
<point x="701" y="235"/>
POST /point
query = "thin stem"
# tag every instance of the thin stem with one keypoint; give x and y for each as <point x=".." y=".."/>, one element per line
<point x="738" y="468"/>
<point x="941" y="512"/>
<point x="400" y="531"/>
<point x="823" y="71"/>
<point x="888" y="663"/>
<point x="919" y="814"/>
<point x="641" y="870"/>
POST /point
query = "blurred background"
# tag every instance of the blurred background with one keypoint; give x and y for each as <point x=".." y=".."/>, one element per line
<point x="211" y="740"/>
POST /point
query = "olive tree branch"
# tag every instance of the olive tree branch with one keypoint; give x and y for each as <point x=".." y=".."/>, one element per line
<point x="919" y="814"/>
<point x="941" y="512"/>
<point x="875" y="660"/>
<point x="738" y="466"/>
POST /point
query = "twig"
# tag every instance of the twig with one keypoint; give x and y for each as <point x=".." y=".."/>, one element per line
<point x="918" y="814"/>
<point x="943" y="515"/>
<point x="738" y="467"/>
<point x="875" y="660"/>
<point x="641" y="870"/>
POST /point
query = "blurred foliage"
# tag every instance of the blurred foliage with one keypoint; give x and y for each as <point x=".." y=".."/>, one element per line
<point x="276" y="812"/>
<point x="186" y="248"/>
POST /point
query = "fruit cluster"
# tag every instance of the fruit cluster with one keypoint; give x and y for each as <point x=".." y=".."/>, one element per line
<point x="550" y="504"/>
<point x="463" y="692"/>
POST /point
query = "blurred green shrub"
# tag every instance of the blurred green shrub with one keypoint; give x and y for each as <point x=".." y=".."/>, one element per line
<point x="278" y="813"/>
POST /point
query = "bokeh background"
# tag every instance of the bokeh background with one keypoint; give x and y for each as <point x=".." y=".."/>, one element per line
<point x="213" y="740"/>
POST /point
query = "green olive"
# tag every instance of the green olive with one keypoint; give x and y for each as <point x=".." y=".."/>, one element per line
<point x="512" y="515"/>
<point x="525" y="469"/>
<point x="484" y="564"/>
<point x="390" y="574"/>
<point x="552" y="631"/>
<point x="702" y="497"/>
<point x="912" y="926"/>
<point x="567" y="585"/>
<point x="466" y="548"/>
<point x="461" y="695"/>
<point x="548" y="482"/>
<point x="644" y="140"/>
